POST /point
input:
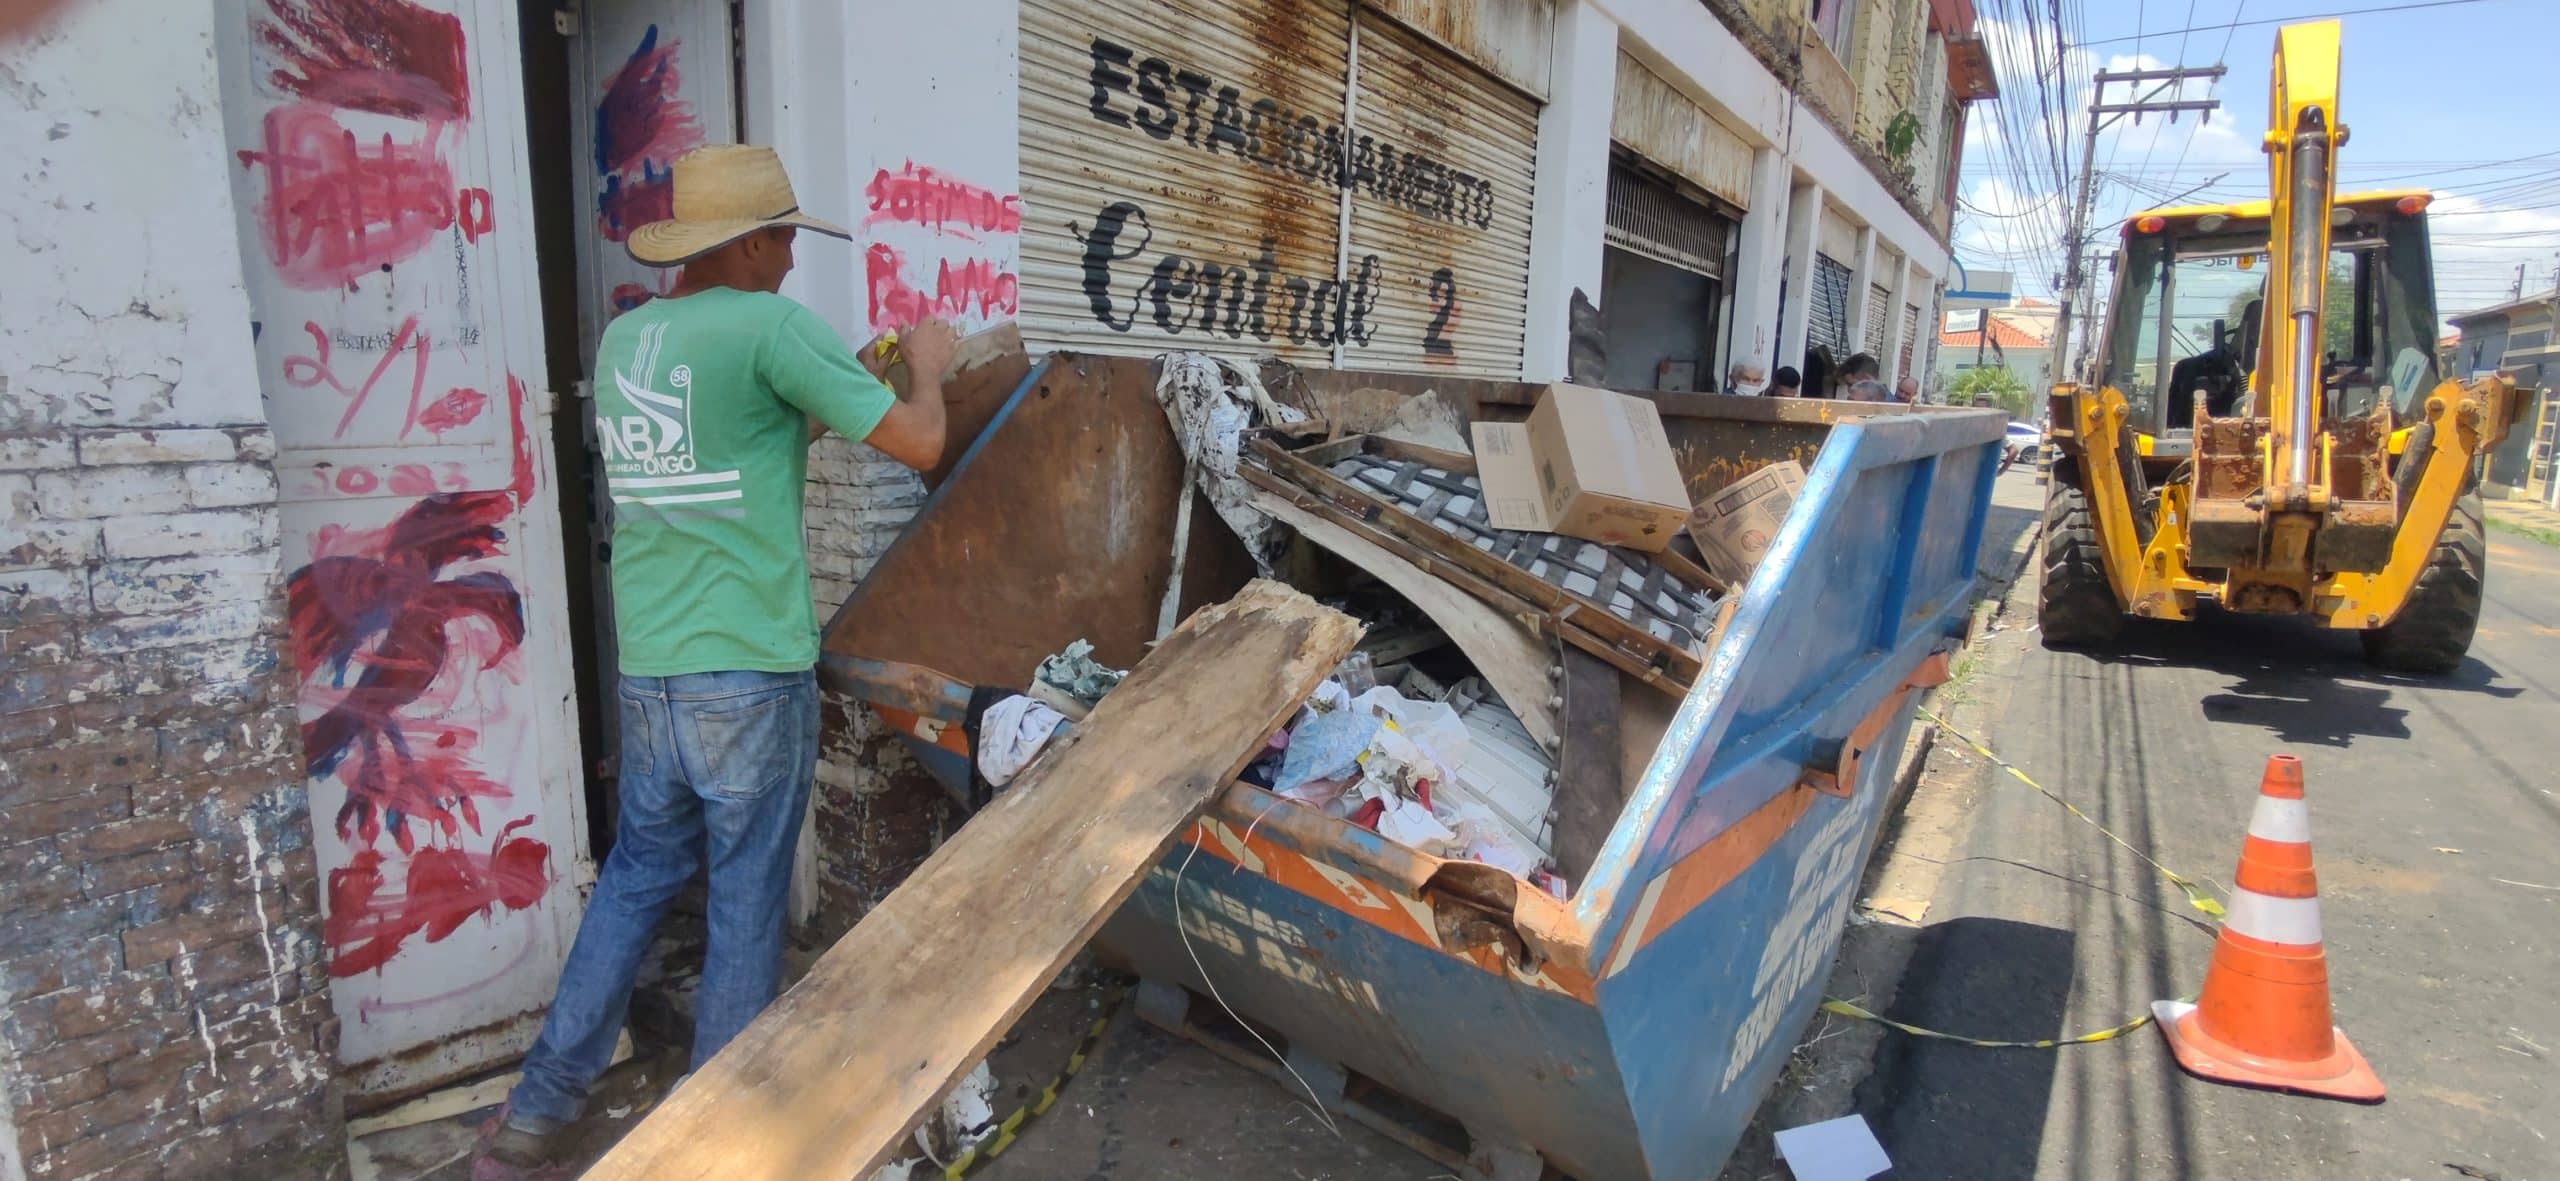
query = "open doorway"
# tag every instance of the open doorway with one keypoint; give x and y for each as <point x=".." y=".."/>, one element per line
<point x="614" y="90"/>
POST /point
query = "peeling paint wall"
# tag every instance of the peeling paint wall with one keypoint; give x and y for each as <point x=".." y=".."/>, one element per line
<point x="162" y="1002"/>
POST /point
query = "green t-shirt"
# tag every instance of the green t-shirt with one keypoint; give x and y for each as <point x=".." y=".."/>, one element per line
<point x="703" y="405"/>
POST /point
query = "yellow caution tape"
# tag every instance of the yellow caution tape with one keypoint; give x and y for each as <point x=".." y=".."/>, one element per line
<point x="1847" y="1009"/>
<point x="2197" y="896"/>
<point x="1011" y="1125"/>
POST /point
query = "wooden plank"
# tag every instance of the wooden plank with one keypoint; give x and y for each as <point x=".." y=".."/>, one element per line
<point x="1505" y="652"/>
<point x="1590" y="789"/>
<point x="1058" y="526"/>
<point x="829" y="1080"/>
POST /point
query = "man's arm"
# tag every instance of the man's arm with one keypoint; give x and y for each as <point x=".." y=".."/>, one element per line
<point x="842" y="391"/>
<point x="912" y="432"/>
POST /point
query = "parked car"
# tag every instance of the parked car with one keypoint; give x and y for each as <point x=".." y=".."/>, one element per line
<point x="2025" y="440"/>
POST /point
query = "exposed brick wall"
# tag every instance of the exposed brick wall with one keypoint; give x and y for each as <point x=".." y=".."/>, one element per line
<point x="878" y="813"/>
<point x="163" y="1008"/>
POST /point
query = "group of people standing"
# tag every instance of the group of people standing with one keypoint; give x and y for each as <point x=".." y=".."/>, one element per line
<point x="1860" y="380"/>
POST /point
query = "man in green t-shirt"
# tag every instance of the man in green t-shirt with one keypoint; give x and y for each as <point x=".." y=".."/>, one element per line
<point x="706" y="402"/>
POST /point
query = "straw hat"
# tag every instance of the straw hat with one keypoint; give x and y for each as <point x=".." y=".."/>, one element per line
<point x="723" y="193"/>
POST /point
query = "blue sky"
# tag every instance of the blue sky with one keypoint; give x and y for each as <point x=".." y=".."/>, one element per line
<point x="2443" y="98"/>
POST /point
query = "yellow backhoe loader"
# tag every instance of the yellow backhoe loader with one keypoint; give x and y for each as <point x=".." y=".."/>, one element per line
<point x="2267" y="430"/>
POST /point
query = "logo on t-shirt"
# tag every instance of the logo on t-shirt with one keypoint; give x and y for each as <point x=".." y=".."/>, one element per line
<point x="649" y="454"/>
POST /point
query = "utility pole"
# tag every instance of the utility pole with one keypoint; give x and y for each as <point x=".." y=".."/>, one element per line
<point x="2517" y="292"/>
<point x="2103" y="114"/>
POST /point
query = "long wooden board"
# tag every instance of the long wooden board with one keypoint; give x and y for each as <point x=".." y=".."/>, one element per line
<point x="829" y="1081"/>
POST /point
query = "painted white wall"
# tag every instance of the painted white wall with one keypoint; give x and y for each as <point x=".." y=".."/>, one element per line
<point x="1569" y="212"/>
<point x="1805" y="211"/>
<point x="124" y="303"/>
<point x="1759" y="257"/>
<point x="853" y="93"/>
<point x="1693" y="51"/>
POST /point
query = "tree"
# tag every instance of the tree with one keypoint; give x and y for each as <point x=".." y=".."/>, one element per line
<point x="2005" y="388"/>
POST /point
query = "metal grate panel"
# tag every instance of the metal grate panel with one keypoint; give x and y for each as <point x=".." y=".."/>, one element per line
<point x="1624" y="582"/>
<point x="1649" y="218"/>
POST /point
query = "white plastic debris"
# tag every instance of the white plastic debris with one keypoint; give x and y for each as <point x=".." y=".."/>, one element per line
<point x="1842" y="1149"/>
<point x="1211" y="401"/>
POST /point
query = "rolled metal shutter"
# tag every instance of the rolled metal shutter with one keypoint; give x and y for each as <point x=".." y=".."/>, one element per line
<point x="1649" y="218"/>
<point x="1442" y="166"/>
<point x="1910" y="335"/>
<point x="1879" y="316"/>
<point x="1180" y="175"/>
<point x="1828" y="313"/>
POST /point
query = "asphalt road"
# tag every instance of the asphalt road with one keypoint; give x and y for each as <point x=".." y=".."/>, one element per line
<point x="2437" y="834"/>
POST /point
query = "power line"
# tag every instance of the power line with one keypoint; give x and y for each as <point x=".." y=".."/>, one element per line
<point x="2281" y="20"/>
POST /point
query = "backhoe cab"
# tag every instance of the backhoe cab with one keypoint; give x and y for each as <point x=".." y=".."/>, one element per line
<point x="2267" y="430"/>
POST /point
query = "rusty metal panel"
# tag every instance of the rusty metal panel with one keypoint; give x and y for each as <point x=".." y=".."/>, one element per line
<point x="1662" y="125"/>
<point x="1057" y="524"/>
<point x="1509" y="39"/>
<point x="1180" y="185"/>
<point x="1441" y="173"/>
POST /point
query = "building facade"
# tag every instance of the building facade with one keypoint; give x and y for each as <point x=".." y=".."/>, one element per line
<point x="2514" y="338"/>
<point x="301" y="755"/>
<point x="2018" y="339"/>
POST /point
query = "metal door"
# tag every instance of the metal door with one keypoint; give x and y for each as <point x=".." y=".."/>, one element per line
<point x="386" y="238"/>
<point x="654" y="79"/>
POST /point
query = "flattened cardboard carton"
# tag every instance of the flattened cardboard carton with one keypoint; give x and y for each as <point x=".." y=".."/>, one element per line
<point x="1735" y="527"/>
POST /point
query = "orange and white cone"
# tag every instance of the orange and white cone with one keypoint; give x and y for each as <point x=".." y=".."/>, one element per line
<point x="2263" y="1018"/>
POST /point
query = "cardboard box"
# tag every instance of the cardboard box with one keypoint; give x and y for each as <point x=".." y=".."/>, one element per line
<point x="1589" y="463"/>
<point x="1734" y="527"/>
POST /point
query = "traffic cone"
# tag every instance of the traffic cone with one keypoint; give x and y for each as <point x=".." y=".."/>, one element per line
<point x="2263" y="1018"/>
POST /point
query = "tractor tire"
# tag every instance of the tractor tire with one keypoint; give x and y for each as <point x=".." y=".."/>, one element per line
<point x="2433" y="631"/>
<point x="2076" y="607"/>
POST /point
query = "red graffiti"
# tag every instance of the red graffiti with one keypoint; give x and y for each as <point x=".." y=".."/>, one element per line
<point x="336" y="206"/>
<point x="357" y="481"/>
<point x="456" y="409"/>
<point x="475" y="214"/>
<point x="629" y="201"/>
<point x="641" y="126"/>
<point x="957" y="290"/>
<point x="380" y="600"/>
<point x="413" y="479"/>
<point x="627" y="296"/>
<point x="446" y="887"/>
<point x="305" y="372"/>
<point x="520" y="481"/>
<point x="389" y="57"/>
<point x="918" y="195"/>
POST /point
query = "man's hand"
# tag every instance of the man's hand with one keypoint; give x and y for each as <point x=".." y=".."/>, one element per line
<point x="929" y="347"/>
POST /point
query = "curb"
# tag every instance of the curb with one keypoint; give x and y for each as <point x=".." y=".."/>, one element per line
<point x="1915" y="750"/>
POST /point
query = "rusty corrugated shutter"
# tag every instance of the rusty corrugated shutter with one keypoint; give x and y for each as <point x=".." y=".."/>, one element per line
<point x="1180" y="167"/>
<point x="1662" y="125"/>
<point x="1879" y="316"/>
<point x="1509" y="39"/>
<point x="1442" y="175"/>
<point x="1910" y="335"/>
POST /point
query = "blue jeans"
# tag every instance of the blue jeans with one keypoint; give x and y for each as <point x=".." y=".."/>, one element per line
<point x="718" y="762"/>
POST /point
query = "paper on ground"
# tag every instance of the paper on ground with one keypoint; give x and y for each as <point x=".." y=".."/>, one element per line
<point x="1842" y="1149"/>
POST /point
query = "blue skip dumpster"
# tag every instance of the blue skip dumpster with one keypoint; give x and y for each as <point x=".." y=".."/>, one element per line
<point x="1626" y="1027"/>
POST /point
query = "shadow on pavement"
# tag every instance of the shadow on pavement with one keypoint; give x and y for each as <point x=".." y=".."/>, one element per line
<point x="1946" y="1109"/>
<point x="2301" y="682"/>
